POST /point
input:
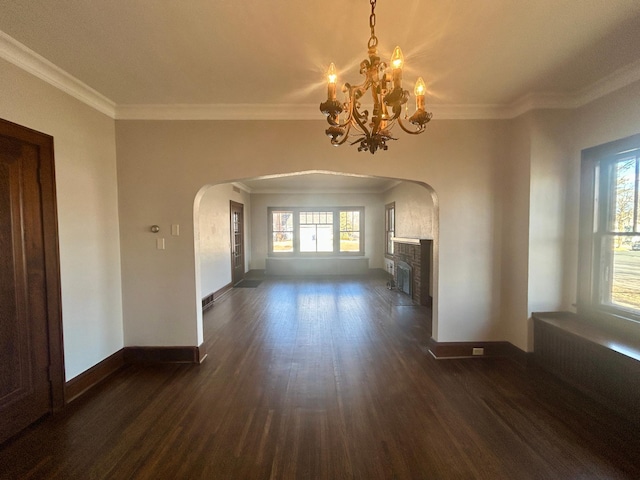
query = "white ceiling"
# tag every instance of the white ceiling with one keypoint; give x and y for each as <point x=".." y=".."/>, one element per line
<point x="251" y="56"/>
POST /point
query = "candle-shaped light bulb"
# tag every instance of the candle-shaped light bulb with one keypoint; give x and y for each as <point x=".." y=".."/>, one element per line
<point x="332" y="76"/>
<point x="332" y="79"/>
<point x="420" y="90"/>
<point x="397" y="59"/>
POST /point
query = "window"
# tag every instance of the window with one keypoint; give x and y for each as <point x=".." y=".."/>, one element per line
<point x="389" y="227"/>
<point x="610" y="229"/>
<point x="316" y="231"/>
<point x="350" y="231"/>
<point x="282" y="231"/>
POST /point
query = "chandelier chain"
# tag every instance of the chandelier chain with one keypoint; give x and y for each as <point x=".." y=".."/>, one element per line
<point x="373" y="40"/>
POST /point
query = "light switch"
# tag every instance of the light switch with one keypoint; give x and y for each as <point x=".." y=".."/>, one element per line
<point x="160" y="243"/>
<point x="175" y="229"/>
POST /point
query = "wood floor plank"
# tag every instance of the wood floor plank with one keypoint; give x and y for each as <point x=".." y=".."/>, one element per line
<point x="326" y="378"/>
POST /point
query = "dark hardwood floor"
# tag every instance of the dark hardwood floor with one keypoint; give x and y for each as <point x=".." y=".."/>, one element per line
<point x="326" y="379"/>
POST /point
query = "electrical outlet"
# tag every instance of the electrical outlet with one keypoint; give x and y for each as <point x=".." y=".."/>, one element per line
<point x="478" y="351"/>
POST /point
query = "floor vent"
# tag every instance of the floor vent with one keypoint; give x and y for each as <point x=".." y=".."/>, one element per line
<point x="207" y="302"/>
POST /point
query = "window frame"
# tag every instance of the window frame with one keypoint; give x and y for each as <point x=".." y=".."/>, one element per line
<point x="296" y="231"/>
<point x="389" y="228"/>
<point x="595" y="201"/>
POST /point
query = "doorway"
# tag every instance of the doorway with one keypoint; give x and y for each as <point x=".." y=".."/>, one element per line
<point x="31" y="356"/>
<point x="237" y="242"/>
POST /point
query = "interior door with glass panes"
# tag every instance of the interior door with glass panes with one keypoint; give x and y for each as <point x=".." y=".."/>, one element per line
<point x="237" y="242"/>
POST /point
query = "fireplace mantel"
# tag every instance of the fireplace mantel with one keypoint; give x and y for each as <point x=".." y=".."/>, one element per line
<point x="408" y="240"/>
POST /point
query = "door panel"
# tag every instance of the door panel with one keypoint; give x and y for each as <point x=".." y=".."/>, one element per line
<point x="25" y="388"/>
<point x="237" y="242"/>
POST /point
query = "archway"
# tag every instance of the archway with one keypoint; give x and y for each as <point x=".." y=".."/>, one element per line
<point x="416" y="220"/>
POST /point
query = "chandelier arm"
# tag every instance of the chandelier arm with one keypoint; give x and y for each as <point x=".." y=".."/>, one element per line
<point x="420" y="129"/>
<point x="397" y="110"/>
<point x="345" y="137"/>
<point x="362" y="126"/>
<point x="348" y="107"/>
<point x="349" y="116"/>
<point x="356" y="118"/>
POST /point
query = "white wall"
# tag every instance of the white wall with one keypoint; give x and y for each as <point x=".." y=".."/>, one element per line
<point x="373" y="220"/>
<point x="414" y="210"/>
<point x="85" y="168"/>
<point x="214" y="236"/>
<point x="514" y="188"/>
<point x="547" y="213"/>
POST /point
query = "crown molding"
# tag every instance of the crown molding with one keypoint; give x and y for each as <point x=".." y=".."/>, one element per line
<point x="240" y="111"/>
<point x="21" y="56"/>
<point x="540" y="101"/>
<point x="620" y="78"/>
<point x="615" y="81"/>
<point x="18" y="54"/>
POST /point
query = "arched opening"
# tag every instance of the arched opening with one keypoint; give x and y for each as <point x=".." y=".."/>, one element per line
<point x="416" y="210"/>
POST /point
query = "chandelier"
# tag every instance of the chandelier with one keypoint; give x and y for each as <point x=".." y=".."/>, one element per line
<point x="388" y="98"/>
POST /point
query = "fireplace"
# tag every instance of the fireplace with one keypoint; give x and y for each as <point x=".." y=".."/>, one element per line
<point x="413" y="258"/>
<point x="404" y="278"/>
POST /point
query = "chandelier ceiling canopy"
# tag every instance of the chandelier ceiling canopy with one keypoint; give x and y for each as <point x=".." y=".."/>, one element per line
<point x="385" y="83"/>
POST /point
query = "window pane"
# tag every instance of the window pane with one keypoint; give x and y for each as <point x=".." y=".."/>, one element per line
<point x="389" y="224"/>
<point x="325" y="238"/>
<point x="316" y="238"/>
<point x="622" y="204"/>
<point x="350" y="242"/>
<point x="620" y="265"/>
<point x="282" y="221"/>
<point x="637" y="229"/>
<point x="349" y="221"/>
<point x="282" y="242"/>
<point x="307" y="238"/>
<point x="350" y="231"/>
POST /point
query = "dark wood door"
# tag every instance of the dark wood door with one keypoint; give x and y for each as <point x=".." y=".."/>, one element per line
<point x="27" y="367"/>
<point x="237" y="242"/>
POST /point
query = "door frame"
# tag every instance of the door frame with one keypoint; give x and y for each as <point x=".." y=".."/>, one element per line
<point x="44" y="144"/>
